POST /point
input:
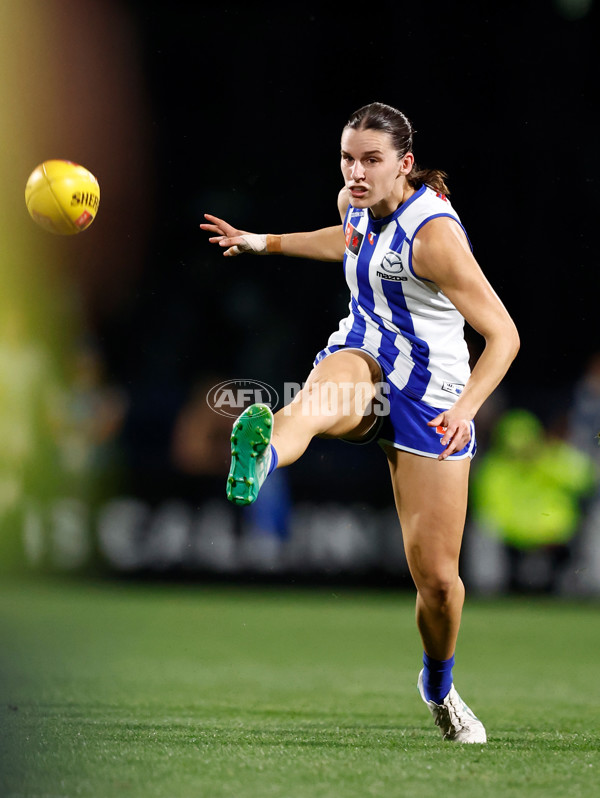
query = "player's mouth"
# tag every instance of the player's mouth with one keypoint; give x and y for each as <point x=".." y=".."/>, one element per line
<point x="358" y="191"/>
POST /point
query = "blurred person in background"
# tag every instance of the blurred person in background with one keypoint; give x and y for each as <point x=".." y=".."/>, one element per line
<point x="530" y="491"/>
<point x="413" y="282"/>
<point x="583" y="432"/>
<point x="584" y="414"/>
<point x="89" y="412"/>
<point x="28" y="383"/>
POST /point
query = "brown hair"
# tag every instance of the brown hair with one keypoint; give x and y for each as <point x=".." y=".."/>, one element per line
<point x="378" y="116"/>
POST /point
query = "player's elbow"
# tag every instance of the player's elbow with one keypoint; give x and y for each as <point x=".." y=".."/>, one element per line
<point x="510" y="340"/>
<point x="504" y="338"/>
<point x="514" y="341"/>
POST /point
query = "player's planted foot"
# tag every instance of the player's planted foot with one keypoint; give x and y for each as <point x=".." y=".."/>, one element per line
<point x="455" y="720"/>
<point x="250" y="454"/>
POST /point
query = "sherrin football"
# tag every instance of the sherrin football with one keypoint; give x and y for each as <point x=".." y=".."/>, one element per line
<point x="62" y="197"/>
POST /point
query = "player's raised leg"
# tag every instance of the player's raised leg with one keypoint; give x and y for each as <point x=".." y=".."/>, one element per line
<point x="335" y="402"/>
<point x="431" y="497"/>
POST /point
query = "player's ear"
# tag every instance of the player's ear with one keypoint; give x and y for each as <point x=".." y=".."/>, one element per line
<point x="406" y="164"/>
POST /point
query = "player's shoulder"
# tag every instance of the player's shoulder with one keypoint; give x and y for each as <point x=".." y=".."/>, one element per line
<point x="435" y="228"/>
<point x="428" y="200"/>
<point x="427" y="206"/>
<point x="438" y="229"/>
<point x="343" y="202"/>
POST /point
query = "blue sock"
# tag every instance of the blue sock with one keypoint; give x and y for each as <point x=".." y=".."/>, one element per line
<point x="274" y="460"/>
<point x="437" y="678"/>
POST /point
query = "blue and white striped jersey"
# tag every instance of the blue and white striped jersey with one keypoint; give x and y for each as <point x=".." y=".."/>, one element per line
<point x="405" y="322"/>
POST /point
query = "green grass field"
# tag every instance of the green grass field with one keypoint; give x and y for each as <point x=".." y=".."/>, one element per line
<point x="172" y="691"/>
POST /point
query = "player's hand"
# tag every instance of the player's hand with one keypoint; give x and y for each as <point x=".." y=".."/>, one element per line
<point x="231" y="239"/>
<point x="456" y="431"/>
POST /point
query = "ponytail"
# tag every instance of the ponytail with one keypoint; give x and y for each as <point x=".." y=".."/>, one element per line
<point x="434" y="178"/>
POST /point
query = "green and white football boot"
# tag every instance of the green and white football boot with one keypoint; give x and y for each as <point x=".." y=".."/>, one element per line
<point x="250" y="454"/>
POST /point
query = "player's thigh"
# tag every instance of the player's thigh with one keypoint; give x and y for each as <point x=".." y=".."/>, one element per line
<point x="343" y="386"/>
<point x="431" y="498"/>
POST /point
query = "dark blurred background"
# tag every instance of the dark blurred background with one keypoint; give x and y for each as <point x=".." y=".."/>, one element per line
<point x="185" y="108"/>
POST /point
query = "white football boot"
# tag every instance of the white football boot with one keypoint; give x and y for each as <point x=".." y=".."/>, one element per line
<point x="455" y="720"/>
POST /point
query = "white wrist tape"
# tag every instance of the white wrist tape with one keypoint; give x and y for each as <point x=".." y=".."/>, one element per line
<point x="252" y="243"/>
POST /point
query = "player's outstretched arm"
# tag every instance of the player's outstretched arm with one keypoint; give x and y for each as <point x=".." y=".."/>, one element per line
<point x="442" y="255"/>
<point x="326" y="244"/>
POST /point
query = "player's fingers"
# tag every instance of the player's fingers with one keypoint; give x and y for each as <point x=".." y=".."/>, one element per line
<point x="212" y="228"/>
<point x="454" y="440"/>
<point x="437" y="421"/>
<point x="217" y="225"/>
<point x="450" y="434"/>
<point x="445" y="454"/>
<point x="451" y="447"/>
<point x="238" y="242"/>
<point x="232" y="251"/>
<point x="221" y="226"/>
<point x="215" y="220"/>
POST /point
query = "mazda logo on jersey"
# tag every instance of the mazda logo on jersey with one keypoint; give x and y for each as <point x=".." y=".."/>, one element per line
<point x="392" y="262"/>
<point x="353" y="239"/>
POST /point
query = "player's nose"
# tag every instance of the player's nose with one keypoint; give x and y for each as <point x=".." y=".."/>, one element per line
<point x="357" y="172"/>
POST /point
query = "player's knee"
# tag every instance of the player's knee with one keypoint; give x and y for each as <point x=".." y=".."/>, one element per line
<point x="437" y="583"/>
<point x="439" y="592"/>
<point x="347" y="367"/>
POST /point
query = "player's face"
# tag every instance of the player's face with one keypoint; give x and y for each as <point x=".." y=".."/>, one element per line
<point x="372" y="170"/>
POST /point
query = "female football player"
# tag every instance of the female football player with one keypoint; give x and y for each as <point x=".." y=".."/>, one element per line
<point x="396" y="370"/>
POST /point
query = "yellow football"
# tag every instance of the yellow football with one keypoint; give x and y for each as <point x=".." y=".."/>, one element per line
<point x="62" y="197"/>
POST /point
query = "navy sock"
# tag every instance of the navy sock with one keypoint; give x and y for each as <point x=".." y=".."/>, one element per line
<point x="437" y="678"/>
<point x="274" y="460"/>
